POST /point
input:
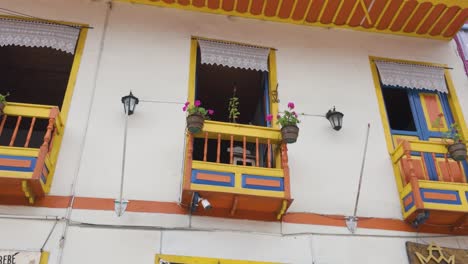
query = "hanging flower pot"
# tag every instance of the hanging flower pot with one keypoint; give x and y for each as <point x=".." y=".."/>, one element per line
<point x="195" y="123"/>
<point x="289" y="133"/>
<point x="3" y="102"/>
<point x="196" y="117"/>
<point x="457" y="151"/>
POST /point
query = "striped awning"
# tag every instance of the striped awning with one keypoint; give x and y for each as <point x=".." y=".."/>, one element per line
<point x="413" y="76"/>
<point x="425" y="18"/>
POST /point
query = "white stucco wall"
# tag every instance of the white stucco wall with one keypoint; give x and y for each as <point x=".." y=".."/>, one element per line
<point x="146" y="50"/>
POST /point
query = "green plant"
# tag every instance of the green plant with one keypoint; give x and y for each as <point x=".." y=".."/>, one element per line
<point x="3" y="97"/>
<point x="197" y="109"/>
<point x="233" y="107"/>
<point x="289" y="117"/>
<point x="453" y="133"/>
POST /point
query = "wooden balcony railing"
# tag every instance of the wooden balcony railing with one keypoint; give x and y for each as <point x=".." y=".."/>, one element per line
<point x="30" y="137"/>
<point x="445" y="199"/>
<point x="238" y="160"/>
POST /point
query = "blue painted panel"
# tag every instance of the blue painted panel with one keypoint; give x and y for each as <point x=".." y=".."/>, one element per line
<point x="456" y="202"/>
<point x="410" y="205"/>
<point x="208" y="182"/>
<point x="260" y="187"/>
<point x="12" y="168"/>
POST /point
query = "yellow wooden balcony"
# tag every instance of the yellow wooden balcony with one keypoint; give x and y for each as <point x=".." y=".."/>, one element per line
<point x="424" y="201"/>
<point x="242" y="170"/>
<point x="30" y="137"/>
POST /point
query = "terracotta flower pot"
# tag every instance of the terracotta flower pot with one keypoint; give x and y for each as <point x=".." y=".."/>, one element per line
<point x="289" y="133"/>
<point x="195" y="123"/>
<point x="457" y="151"/>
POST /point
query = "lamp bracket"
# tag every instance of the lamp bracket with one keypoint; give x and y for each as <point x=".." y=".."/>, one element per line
<point x="351" y="223"/>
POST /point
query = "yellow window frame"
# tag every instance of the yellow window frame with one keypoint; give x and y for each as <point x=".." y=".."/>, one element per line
<point x="44" y="258"/>
<point x="203" y="260"/>
<point x="272" y="76"/>
<point x="452" y="98"/>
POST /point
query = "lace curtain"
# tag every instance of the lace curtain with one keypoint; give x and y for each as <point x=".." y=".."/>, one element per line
<point x="234" y="55"/>
<point x="38" y="34"/>
<point x="412" y="76"/>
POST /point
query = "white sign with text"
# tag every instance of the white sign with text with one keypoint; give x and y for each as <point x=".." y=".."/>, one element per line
<point x="19" y="257"/>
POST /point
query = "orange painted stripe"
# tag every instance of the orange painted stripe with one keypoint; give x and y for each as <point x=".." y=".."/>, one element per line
<point x="183" y="2"/>
<point x="329" y="12"/>
<point x="228" y="5"/>
<point x="242" y="7"/>
<point x="44" y="172"/>
<point x="431" y="18"/>
<point x="257" y="7"/>
<point x="344" y="12"/>
<point x="359" y="14"/>
<point x="15" y="163"/>
<point x="444" y="20"/>
<point x="286" y="8"/>
<point x="300" y="10"/>
<point x="314" y="10"/>
<point x="375" y="13"/>
<point x="270" y="8"/>
<point x="418" y="16"/>
<point x="389" y="14"/>
<point x="213" y="177"/>
<point x="213" y="4"/>
<point x="404" y="15"/>
<point x="198" y="3"/>
<point x="408" y="200"/>
<point x="93" y="203"/>
<point x="262" y="182"/>
<point x="457" y="23"/>
<point x="169" y="1"/>
<point x="440" y="196"/>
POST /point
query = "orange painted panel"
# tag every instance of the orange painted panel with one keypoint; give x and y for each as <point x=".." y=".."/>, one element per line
<point x="441" y="196"/>
<point x="213" y="177"/>
<point x="300" y="10"/>
<point x="315" y="10"/>
<point x="431" y="18"/>
<point x="213" y="4"/>
<point x="270" y="8"/>
<point x="257" y="7"/>
<point x="228" y="5"/>
<point x="359" y="14"/>
<point x="408" y="200"/>
<point x="431" y="102"/>
<point x="344" y="12"/>
<point x="418" y="16"/>
<point x="198" y="3"/>
<point x="286" y="8"/>
<point x="262" y="182"/>
<point x="444" y="20"/>
<point x="242" y="7"/>
<point x="183" y="2"/>
<point x="375" y="12"/>
<point x="15" y="163"/>
<point x="406" y="11"/>
<point x="417" y="166"/>
<point x="329" y="12"/>
<point x="389" y="14"/>
<point x="457" y="23"/>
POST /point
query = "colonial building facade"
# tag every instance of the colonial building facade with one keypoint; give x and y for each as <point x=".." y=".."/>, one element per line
<point x="90" y="172"/>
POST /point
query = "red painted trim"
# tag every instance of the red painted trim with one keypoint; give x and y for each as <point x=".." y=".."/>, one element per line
<point x="138" y="206"/>
<point x="15" y="163"/>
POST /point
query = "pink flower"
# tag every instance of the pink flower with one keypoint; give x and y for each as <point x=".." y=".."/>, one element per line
<point x="184" y="108"/>
<point x="197" y="103"/>
<point x="210" y="112"/>
<point x="291" y="105"/>
<point x="186" y="104"/>
<point x="278" y="116"/>
<point x="269" y="118"/>
<point x="294" y="113"/>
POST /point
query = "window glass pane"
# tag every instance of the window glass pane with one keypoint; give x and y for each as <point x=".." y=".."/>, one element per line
<point x="398" y="109"/>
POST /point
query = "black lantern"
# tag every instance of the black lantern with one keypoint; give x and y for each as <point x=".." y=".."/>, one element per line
<point x="129" y="102"/>
<point x="335" y="118"/>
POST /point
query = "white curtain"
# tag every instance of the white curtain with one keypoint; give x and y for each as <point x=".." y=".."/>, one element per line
<point x="234" y="55"/>
<point x="413" y="76"/>
<point x="463" y="37"/>
<point x="25" y="33"/>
